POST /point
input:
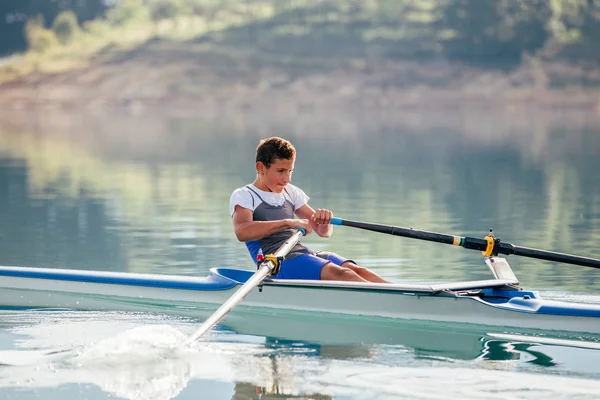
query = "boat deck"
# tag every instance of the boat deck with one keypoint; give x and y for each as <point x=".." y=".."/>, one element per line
<point x="226" y="278"/>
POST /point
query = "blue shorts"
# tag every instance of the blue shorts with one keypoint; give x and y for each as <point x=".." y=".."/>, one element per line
<point x="308" y="266"/>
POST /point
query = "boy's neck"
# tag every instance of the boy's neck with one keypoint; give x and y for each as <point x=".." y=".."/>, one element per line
<point x="259" y="185"/>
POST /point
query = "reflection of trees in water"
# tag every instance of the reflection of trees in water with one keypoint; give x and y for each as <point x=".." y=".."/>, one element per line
<point x="279" y="368"/>
<point x="530" y="177"/>
<point x="49" y="230"/>
<point x="248" y="391"/>
<point x="500" y="350"/>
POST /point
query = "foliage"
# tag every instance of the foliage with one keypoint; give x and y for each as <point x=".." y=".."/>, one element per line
<point x="166" y="9"/>
<point x="96" y="27"/>
<point x="39" y="39"/>
<point x="65" y="26"/>
<point x="128" y="11"/>
<point x="494" y="32"/>
<point x="575" y="28"/>
<point x="499" y="33"/>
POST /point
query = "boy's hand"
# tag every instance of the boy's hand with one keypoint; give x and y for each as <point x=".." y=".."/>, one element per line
<point x="302" y="223"/>
<point x="322" y="216"/>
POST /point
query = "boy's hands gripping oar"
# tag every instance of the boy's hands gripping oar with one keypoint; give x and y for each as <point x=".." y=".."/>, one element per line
<point x="267" y="266"/>
<point x="489" y="246"/>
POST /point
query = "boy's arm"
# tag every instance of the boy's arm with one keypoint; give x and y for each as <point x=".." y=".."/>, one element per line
<point x="319" y="219"/>
<point x="247" y="229"/>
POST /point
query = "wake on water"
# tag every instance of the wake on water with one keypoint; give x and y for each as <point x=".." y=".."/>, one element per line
<point x="145" y="362"/>
<point x="128" y="358"/>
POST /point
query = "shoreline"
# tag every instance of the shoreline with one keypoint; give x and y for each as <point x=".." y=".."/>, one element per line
<point x="203" y="79"/>
<point x="420" y="101"/>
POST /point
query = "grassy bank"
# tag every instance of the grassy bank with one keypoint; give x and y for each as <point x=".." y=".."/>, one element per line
<point x="65" y="45"/>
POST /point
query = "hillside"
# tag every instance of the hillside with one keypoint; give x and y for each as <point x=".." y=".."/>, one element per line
<point x="309" y="54"/>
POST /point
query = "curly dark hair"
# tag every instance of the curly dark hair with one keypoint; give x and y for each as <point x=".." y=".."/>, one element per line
<point x="274" y="147"/>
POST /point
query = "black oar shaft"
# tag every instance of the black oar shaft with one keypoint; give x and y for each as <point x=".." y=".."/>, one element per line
<point x="508" y="249"/>
<point x="400" y="231"/>
<point x="471" y="243"/>
<point x="553" y="256"/>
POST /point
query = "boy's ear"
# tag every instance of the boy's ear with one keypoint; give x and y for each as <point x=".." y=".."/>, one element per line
<point x="260" y="167"/>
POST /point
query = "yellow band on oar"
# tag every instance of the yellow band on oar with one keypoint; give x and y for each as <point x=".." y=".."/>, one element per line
<point x="276" y="263"/>
<point x="490" y="245"/>
<point x="457" y="241"/>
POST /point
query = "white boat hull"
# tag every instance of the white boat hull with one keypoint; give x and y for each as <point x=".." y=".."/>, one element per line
<point x="86" y="290"/>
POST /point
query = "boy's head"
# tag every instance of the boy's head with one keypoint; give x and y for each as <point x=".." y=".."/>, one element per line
<point x="272" y="148"/>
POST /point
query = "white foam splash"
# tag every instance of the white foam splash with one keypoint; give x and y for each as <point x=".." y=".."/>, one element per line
<point x="146" y="362"/>
<point x="149" y="342"/>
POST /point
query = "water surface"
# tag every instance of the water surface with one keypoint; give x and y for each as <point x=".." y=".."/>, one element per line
<point x="151" y="194"/>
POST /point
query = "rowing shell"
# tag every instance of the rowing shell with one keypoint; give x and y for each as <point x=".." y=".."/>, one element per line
<point x="496" y="302"/>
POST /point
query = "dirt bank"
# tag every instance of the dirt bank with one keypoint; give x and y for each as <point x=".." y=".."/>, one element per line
<point x="201" y="78"/>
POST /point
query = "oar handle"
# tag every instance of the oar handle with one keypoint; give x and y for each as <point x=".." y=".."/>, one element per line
<point x="471" y="243"/>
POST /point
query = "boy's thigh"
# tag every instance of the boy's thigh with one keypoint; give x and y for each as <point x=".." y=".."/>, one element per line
<point x="335" y="259"/>
<point x="334" y="272"/>
<point x="304" y="266"/>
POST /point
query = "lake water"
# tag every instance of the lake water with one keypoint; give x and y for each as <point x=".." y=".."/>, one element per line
<point x="150" y="193"/>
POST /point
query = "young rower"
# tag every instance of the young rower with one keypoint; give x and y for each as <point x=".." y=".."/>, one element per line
<point x="264" y="217"/>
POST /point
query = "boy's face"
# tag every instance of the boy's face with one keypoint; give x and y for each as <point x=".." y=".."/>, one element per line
<point x="278" y="175"/>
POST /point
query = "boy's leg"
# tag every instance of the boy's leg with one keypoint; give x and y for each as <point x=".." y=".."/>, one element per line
<point x="325" y="266"/>
<point x="332" y="272"/>
<point x="306" y="267"/>
<point x="362" y="272"/>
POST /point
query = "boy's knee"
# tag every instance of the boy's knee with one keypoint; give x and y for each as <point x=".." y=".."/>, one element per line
<point x="352" y="266"/>
<point x="334" y="272"/>
<point x="358" y="269"/>
<point x="345" y="272"/>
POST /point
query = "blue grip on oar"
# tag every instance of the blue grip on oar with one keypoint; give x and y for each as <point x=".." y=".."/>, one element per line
<point x="336" y="221"/>
<point x="303" y="231"/>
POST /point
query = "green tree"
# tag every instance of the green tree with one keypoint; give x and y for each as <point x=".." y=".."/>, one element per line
<point x="575" y="29"/>
<point x="494" y="32"/>
<point x="65" y="26"/>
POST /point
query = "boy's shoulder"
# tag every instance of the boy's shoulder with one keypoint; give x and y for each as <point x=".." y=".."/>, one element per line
<point x="293" y="189"/>
<point x="296" y="194"/>
<point x="242" y="189"/>
<point x="242" y="192"/>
